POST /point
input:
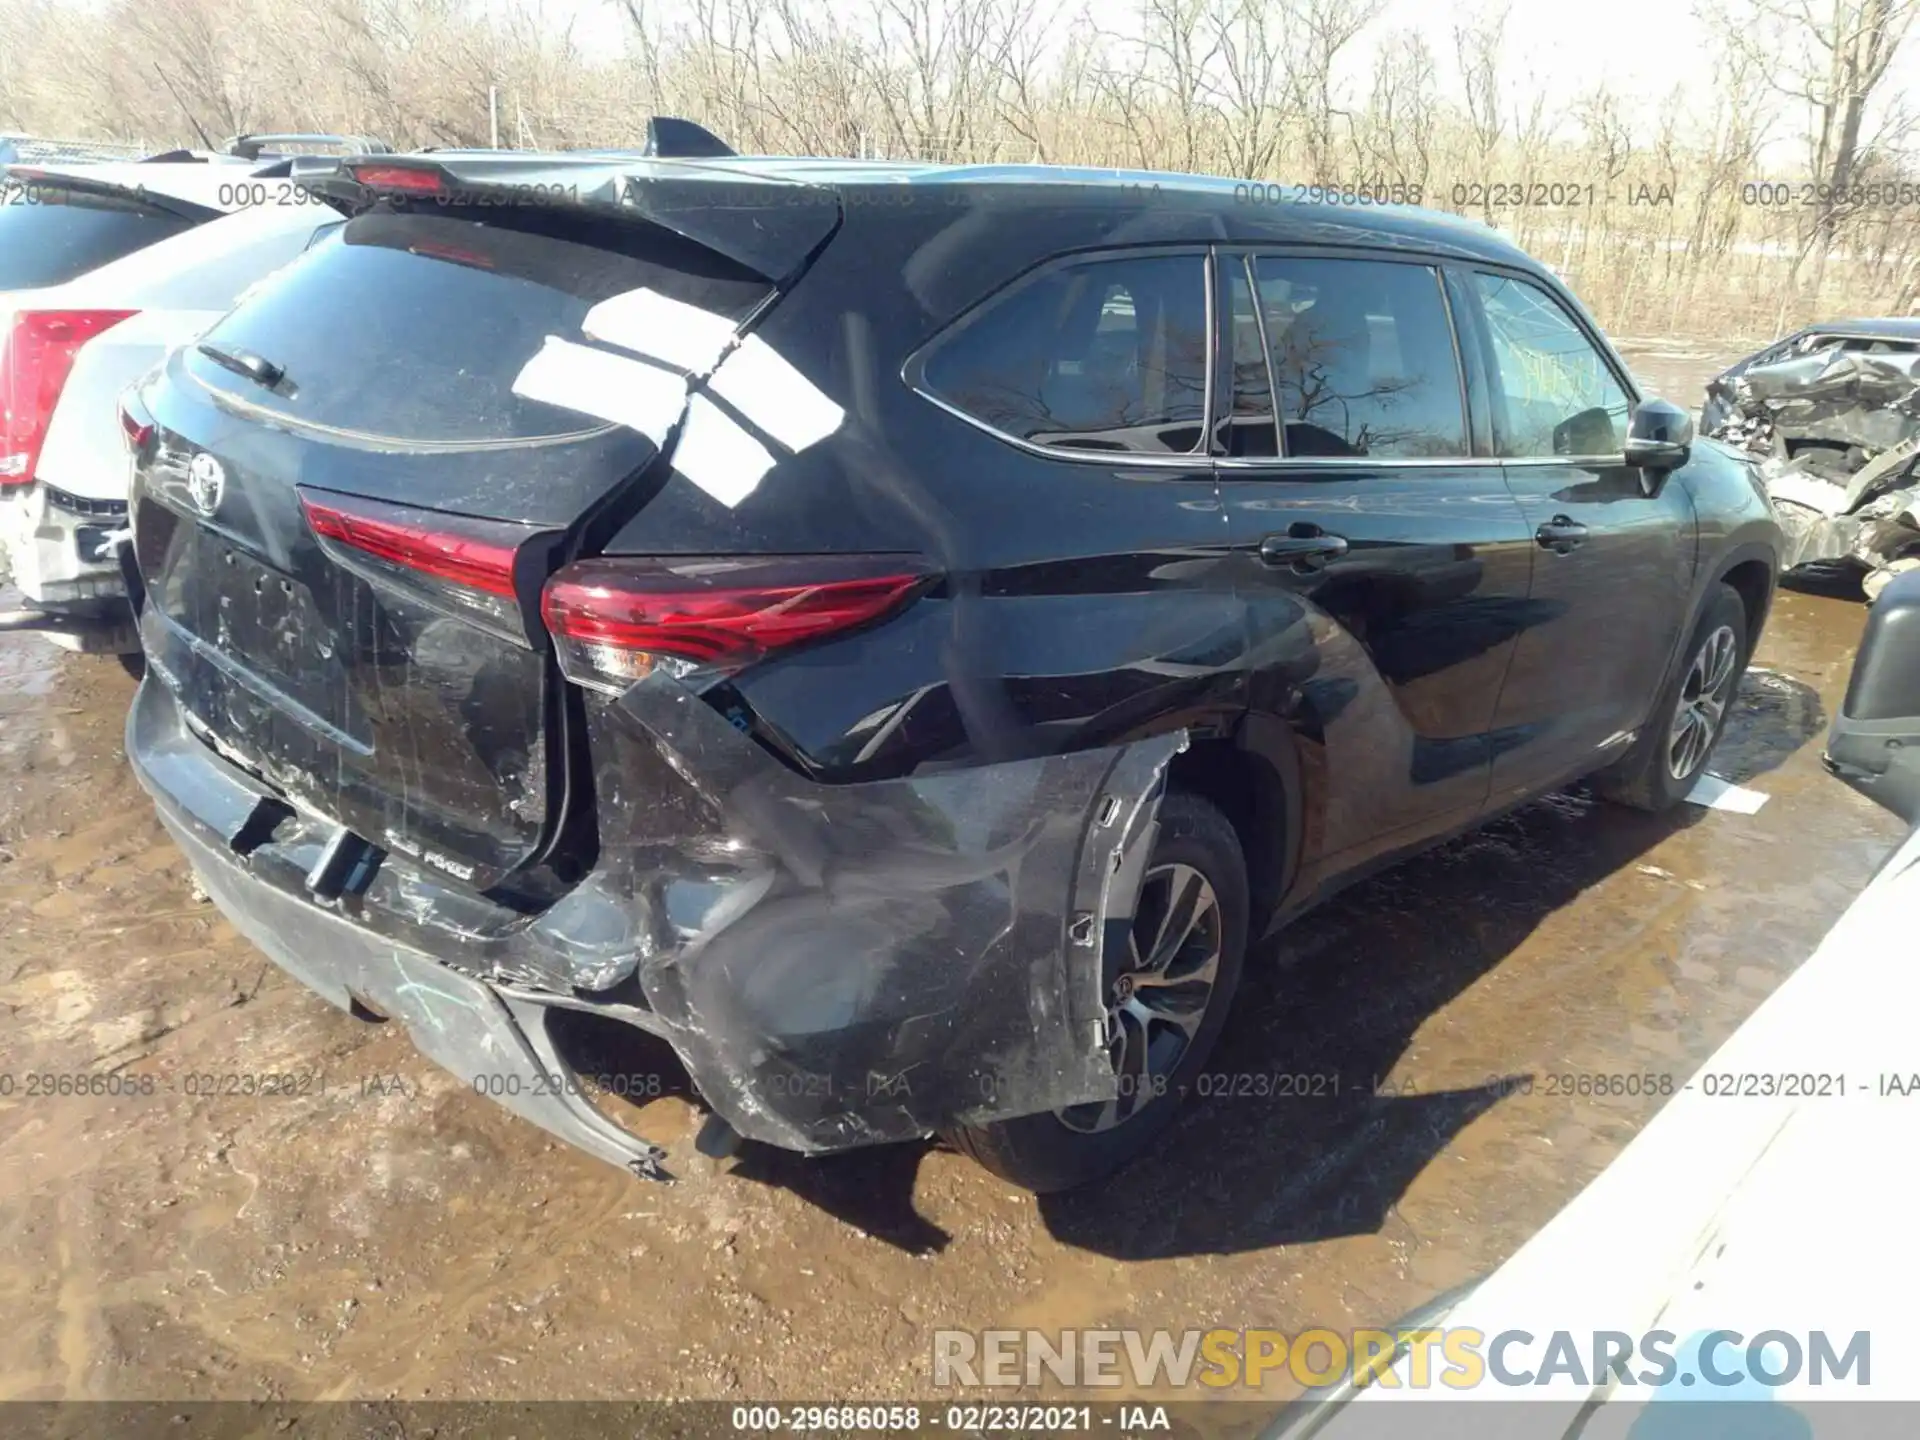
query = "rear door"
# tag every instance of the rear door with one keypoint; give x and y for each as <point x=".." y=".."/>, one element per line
<point x="364" y="472"/>
<point x="1363" y="517"/>
<point x="1612" y="568"/>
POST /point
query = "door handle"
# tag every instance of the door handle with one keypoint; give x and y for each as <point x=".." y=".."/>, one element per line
<point x="1560" y="535"/>
<point x="1304" y="546"/>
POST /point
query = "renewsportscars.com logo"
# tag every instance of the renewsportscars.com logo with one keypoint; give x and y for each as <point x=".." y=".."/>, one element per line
<point x="1456" y="1358"/>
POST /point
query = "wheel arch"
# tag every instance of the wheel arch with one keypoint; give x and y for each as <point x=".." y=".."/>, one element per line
<point x="1252" y="774"/>
<point x="1752" y="571"/>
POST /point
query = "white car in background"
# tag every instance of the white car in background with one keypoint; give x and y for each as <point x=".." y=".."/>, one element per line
<point x="104" y="268"/>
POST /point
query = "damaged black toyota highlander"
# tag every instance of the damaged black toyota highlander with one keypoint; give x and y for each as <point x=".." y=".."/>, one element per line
<point x="897" y="633"/>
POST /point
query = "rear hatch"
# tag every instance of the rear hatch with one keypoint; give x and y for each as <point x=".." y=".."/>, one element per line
<point x="349" y="492"/>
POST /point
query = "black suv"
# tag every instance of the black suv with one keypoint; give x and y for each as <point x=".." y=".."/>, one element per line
<point x="898" y="633"/>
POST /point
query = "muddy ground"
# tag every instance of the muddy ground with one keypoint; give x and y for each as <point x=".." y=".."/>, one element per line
<point x="387" y="1233"/>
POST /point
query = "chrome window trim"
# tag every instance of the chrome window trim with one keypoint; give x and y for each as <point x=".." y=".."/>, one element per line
<point x="913" y="369"/>
<point x="1350" y="462"/>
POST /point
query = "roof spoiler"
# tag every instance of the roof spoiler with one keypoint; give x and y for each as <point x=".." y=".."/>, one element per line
<point x="768" y="224"/>
<point x="253" y="147"/>
<point x="668" y="138"/>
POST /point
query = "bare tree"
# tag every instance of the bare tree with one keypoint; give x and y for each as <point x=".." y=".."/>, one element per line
<point x="1251" y="38"/>
<point x="1402" y="111"/>
<point x="1178" y="47"/>
<point x="1476" y="47"/>
<point x="1832" y="56"/>
<point x="1326" y="28"/>
<point x="1241" y="87"/>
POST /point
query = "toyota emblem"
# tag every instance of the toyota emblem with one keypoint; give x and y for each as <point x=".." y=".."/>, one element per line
<point x="206" y="483"/>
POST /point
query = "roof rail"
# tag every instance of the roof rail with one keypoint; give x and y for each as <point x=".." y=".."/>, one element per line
<point x="671" y="138"/>
<point x="253" y="147"/>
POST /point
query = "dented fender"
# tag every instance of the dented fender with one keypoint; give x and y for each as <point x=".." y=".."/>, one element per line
<point x="844" y="964"/>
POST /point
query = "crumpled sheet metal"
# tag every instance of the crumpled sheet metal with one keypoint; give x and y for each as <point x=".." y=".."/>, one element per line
<point x="1817" y="525"/>
<point x="1811" y="535"/>
<point x="1850" y="421"/>
<point x="1829" y="395"/>
<point x="847" y="964"/>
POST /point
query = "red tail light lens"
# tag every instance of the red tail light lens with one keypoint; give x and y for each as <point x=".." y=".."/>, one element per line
<point x="398" y="177"/>
<point x="452" y="562"/>
<point x="614" y="621"/>
<point x="136" y="425"/>
<point x="35" y="359"/>
<point x="458" y="558"/>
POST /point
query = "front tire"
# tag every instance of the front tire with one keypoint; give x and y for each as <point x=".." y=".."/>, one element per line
<point x="1690" y="715"/>
<point x="1168" y="997"/>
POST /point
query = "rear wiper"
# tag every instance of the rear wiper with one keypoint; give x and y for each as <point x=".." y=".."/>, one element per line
<point x="257" y="368"/>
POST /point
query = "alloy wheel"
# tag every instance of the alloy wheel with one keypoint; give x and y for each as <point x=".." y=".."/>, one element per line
<point x="1160" y="996"/>
<point x="1703" y="703"/>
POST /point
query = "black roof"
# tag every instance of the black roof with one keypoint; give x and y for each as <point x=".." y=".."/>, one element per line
<point x="1257" y="211"/>
<point x="1200" y="208"/>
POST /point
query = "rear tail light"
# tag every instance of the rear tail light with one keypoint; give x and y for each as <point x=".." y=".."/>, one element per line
<point x="451" y="562"/>
<point x="36" y="356"/>
<point x="136" y="425"/>
<point x="615" y="621"/>
<point x="398" y="177"/>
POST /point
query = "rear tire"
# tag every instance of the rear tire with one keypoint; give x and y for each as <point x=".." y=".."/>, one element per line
<point x="1691" y="714"/>
<point x="1063" y="1149"/>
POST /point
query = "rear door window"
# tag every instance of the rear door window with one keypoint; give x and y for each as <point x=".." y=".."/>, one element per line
<point x="1555" y="395"/>
<point x="413" y="328"/>
<point x="1100" y="355"/>
<point x="49" y="235"/>
<point x="1363" y="359"/>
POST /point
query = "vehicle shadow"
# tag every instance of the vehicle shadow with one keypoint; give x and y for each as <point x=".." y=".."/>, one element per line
<point x="1773" y="716"/>
<point x="1302" y="1134"/>
<point x="1326" y="1012"/>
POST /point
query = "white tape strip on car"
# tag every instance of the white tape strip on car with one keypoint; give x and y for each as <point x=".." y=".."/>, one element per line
<point x="606" y="386"/>
<point x="661" y="328"/>
<point x="765" y="387"/>
<point x="718" y="456"/>
<point x="638" y="391"/>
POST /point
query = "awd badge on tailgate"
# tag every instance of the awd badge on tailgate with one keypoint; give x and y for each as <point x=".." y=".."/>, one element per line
<point x="206" y="483"/>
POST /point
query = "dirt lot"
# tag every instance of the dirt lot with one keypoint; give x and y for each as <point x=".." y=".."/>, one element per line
<point x="388" y="1233"/>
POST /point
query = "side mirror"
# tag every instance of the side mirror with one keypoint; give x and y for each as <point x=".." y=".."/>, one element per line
<point x="1659" y="440"/>
<point x="1874" y="744"/>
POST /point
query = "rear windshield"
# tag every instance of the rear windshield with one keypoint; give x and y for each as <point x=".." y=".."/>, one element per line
<point x="412" y="327"/>
<point x="49" y="235"/>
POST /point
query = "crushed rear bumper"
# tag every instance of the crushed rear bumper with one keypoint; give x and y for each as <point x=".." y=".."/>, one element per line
<point x="499" y="1045"/>
<point x="834" y="965"/>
